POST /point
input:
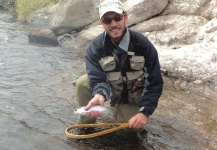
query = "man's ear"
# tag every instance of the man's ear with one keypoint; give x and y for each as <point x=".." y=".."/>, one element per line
<point x="101" y="22"/>
<point x="103" y="25"/>
<point x="126" y="18"/>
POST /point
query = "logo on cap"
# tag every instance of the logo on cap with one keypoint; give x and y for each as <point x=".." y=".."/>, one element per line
<point x="111" y="5"/>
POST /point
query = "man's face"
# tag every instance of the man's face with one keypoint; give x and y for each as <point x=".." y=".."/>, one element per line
<point x="114" y="25"/>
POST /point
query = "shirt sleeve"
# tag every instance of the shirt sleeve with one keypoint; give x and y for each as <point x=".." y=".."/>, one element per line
<point x="97" y="77"/>
<point x="153" y="81"/>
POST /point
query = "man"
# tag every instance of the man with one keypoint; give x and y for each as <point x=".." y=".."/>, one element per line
<point x="122" y="67"/>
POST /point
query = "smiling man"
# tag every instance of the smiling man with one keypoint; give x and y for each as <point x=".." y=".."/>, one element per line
<point x="123" y="68"/>
<point x="113" y="19"/>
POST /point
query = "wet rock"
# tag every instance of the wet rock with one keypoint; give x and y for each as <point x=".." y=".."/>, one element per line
<point x="181" y="85"/>
<point x="44" y="37"/>
<point x="4" y="4"/>
<point x="65" y="40"/>
<point x="81" y="40"/>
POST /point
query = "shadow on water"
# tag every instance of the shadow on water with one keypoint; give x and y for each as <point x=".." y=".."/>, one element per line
<point x="38" y="100"/>
<point x="111" y="141"/>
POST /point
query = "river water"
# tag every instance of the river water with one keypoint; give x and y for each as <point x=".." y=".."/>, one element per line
<point x="38" y="100"/>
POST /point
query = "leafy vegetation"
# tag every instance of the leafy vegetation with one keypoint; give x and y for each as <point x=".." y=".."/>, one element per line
<point x="27" y="8"/>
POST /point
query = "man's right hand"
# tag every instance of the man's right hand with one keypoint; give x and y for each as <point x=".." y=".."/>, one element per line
<point x="96" y="100"/>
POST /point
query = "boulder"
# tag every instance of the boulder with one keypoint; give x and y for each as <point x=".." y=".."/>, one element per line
<point x="142" y="10"/>
<point x="4" y="4"/>
<point x="205" y="8"/>
<point x="210" y="9"/>
<point x="192" y="62"/>
<point x="172" y="29"/>
<point x="73" y="15"/>
<point x="80" y="41"/>
<point x="44" y="37"/>
<point x="85" y="37"/>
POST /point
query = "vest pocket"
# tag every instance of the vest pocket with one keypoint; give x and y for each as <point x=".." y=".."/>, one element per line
<point x="134" y="77"/>
<point x="114" y="79"/>
<point x="137" y="62"/>
<point x="135" y="86"/>
<point x="107" y="63"/>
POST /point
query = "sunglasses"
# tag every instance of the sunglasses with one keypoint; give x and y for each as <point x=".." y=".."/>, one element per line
<point x="116" y="18"/>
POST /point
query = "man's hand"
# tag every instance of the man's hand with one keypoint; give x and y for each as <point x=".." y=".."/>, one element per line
<point x="138" y="121"/>
<point x="96" y="100"/>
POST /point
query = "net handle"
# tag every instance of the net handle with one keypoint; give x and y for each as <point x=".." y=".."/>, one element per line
<point x="119" y="126"/>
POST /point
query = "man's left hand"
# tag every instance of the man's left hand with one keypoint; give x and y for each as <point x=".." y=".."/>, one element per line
<point x="138" y="121"/>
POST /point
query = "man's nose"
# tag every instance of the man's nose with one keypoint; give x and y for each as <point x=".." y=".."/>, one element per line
<point x="113" y="23"/>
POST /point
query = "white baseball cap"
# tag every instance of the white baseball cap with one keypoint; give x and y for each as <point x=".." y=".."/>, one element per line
<point x="111" y="5"/>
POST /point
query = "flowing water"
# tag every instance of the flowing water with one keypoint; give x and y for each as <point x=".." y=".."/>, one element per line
<point x="38" y="100"/>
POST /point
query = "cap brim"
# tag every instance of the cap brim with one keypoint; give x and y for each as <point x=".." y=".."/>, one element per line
<point x="119" y="11"/>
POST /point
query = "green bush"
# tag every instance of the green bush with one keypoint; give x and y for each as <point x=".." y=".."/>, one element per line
<point x="27" y="8"/>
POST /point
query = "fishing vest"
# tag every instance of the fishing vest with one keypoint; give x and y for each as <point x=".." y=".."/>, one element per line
<point x="125" y="71"/>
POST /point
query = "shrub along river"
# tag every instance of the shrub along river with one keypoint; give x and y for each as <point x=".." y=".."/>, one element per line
<point x="38" y="100"/>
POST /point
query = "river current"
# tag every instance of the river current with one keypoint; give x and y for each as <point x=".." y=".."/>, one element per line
<point x="38" y="100"/>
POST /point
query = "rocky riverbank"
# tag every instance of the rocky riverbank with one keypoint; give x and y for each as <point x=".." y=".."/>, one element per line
<point x="184" y="33"/>
<point x="38" y="98"/>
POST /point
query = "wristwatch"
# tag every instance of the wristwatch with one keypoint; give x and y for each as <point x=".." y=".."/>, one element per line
<point x="143" y="111"/>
